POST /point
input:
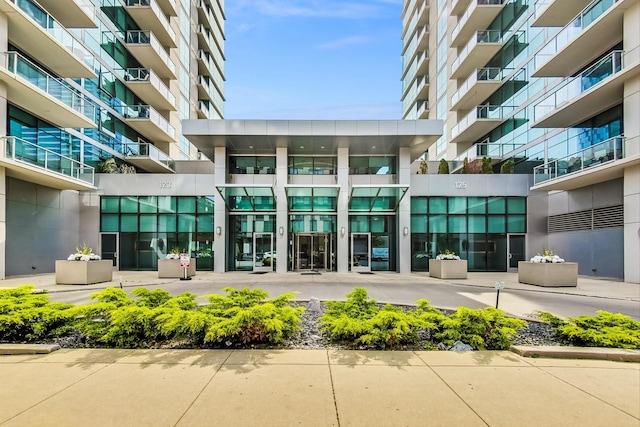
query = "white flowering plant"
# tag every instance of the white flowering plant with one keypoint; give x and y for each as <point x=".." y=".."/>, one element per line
<point x="547" y="257"/>
<point x="447" y="255"/>
<point x="83" y="253"/>
<point x="173" y="254"/>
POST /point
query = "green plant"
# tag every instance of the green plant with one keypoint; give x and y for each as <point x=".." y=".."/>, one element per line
<point x="84" y="250"/>
<point x="423" y="169"/>
<point x="175" y="250"/>
<point x="465" y="166"/>
<point x="486" y="165"/>
<point x="443" y="167"/>
<point x="603" y="330"/>
<point x="507" y="167"/>
<point x="27" y="316"/>
<point x="484" y="329"/>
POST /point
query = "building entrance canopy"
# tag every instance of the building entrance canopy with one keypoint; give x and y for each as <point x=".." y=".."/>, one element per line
<point x="240" y="197"/>
<point x="376" y="198"/>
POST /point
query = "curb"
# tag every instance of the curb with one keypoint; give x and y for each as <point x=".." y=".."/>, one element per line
<point x="13" y="349"/>
<point x="567" y="352"/>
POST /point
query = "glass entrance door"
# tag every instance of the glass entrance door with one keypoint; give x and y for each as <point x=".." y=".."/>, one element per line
<point x="312" y="252"/>
<point x="109" y="247"/>
<point x="361" y="252"/>
<point x="264" y="257"/>
<point x="516" y="250"/>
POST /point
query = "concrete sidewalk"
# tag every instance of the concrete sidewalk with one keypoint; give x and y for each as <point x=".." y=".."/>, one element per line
<point x="313" y="388"/>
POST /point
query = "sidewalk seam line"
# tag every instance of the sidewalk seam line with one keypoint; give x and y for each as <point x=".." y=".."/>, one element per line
<point x="333" y="388"/>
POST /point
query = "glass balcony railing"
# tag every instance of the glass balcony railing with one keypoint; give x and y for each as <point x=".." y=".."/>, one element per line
<point x="577" y="85"/>
<point x="484" y="149"/>
<point x="480" y="37"/>
<point x="604" y="152"/>
<point x="490" y="112"/>
<point x="589" y="14"/>
<point x="42" y="18"/>
<point x="470" y="10"/>
<point x="27" y="152"/>
<point x="487" y="74"/>
<point x="144" y="149"/>
<point x="156" y="10"/>
<point x="148" y="113"/>
<point x="57" y="88"/>
<point x="204" y="107"/>
<point x="146" y="37"/>
<point x="146" y="75"/>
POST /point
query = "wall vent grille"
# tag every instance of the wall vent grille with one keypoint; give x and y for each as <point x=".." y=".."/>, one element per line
<point x="592" y="219"/>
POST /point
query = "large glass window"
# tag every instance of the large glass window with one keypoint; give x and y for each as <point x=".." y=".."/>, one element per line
<point x="252" y="165"/>
<point x="303" y="165"/>
<point x="372" y="165"/>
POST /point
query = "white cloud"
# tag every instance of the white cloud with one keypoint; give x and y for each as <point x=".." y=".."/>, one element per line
<point x="346" y="41"/>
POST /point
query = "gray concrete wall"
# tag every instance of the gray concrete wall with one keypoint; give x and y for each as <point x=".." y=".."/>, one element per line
<point x="43" y="224"/>
<point x="599" y="253"/>
<point x="472" y="185"/>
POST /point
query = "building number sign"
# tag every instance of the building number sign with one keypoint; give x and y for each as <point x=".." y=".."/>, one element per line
<point x="165" y="184"/>
<point x="460" y="185"/>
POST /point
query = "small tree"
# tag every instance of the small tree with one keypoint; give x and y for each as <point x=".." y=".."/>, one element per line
<point x="465" y="166"/>
<point x="486" y="165"/>
<point x="423" y="169"/>
<point x="443" y="167"/>
<point x="507" y="167"/>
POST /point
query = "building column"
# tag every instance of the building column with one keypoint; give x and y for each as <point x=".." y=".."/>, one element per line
<point x="632" y="224"/>
<point x="4" y="25"/>
<point x="403" y="214"/>
<point x="342" y="246"/>
<point x="282" y="213"/>
<point x="220" y="212"/>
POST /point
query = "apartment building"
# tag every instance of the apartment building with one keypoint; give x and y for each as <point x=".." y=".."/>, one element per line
<point x="90" y="86"/>
<point x="553" y="86"/>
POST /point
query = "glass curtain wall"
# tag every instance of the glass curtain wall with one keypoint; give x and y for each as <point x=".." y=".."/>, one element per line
<point x="241" y="249"/>
<point x="383" y="238"/>
<point x="150" y="227"/>
<point x="475" y="228"/>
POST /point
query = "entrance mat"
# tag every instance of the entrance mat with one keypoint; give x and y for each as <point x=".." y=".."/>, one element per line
<point x="311" y="273"/>
<point x="365" y="272"/>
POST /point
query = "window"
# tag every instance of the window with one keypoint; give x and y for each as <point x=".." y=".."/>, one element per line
<point x="251" y="165"/>
<point x="374" y="165"/>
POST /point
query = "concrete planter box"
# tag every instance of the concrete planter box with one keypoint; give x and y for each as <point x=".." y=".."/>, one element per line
<point x="170" y="268"/>
<point x="448" y="268"/>
<point x="83" y="272"/>
<point x="548" y="274"/>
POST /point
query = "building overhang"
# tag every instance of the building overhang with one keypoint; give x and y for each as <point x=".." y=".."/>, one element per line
<point x="376" y="198"/>
<point x="313" y="137"/>
<point x="246" y="194"/>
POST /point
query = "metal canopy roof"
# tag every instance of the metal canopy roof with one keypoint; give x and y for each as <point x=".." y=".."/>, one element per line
<point x="242" y="197"/>
<point x="378" y="198"/>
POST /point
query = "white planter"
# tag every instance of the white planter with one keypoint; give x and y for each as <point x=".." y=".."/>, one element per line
<point x="170" y="268"/>
<point x="548" y="274"/>
<point x="448" y="268"/>
<point x="83" y="272"/>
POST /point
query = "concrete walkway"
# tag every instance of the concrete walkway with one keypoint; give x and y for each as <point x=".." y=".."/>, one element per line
<point x="313" y="388"/>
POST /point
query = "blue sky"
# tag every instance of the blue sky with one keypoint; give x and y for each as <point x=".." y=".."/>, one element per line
<point x="313" y="59"/>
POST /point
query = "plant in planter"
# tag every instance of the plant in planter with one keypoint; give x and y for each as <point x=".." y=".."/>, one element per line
<point x="174" y="253"/>
<point x="447" y="254"/>
<point x="448" y="265"/>
<point x="548" y="269"/>
<point x="547" y="257"/>
<point x="83" y="268"/>
<point x="83" y="253"/>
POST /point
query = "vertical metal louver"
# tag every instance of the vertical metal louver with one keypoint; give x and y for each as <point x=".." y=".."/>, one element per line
<point x="592" y="219"/>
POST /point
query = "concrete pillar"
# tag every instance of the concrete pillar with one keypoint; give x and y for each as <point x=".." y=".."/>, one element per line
<point x="632" y="224"/>
<point x="3" y="132"/>
<point x="342" y="246"/>
<point x="282" y="214"/>
<point x="403" y="214"/>
<point x="220" y="212"/>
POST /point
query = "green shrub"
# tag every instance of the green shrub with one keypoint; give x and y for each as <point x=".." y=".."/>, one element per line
<point x="25" y="316"/>
<point x="443" y="167"/>
<point x="486" y="165"/>
<point x="483" y="329"/>
<point x="360" y="320"/>
<point x="604" y="330"/>
<point x="507" y="167"/>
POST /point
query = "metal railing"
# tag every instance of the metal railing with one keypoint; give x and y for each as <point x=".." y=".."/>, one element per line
<point x="147" y="75"/>
<point x="23" y="151"/>
<point x="470" y="10"/>
<point x="147" y="37"/>
<point x="486" y="36"/>
<point x="147" y="112"/>
<point x="486" y="74"/>
<point x="57" y="88"/>
<point x="144" y="149"/>
<point x="606" y="151"/>
<point x="491" y="112"/>
<point x="487" y="149"/>
<point x="156" y="10"/>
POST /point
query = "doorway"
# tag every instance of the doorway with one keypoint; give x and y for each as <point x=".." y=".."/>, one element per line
<point x="516" y="250"/>
<point x="264" y="257"/>
<point x="313" y="251"/>
<point x="361" y="252"/>
<point x="109" y="247"/>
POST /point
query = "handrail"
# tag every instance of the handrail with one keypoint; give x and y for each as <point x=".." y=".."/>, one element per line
<point x="21" y="150"/>
<point x="148" y="75"/>
<point x="144" y="149"/>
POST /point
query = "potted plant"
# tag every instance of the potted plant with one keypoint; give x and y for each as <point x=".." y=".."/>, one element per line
<point x="169" y="267"/>
<point x="83" y="268"/>
<point x="548" y="270"/>
<point x="448" y="265"/>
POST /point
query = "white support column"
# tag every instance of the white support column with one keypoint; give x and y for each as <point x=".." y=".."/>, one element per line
<point x="342" y="247"/>
<point x="403" y="215"/>
<point x="282" y="214"/>
<point x="220" y="212"/>
<point x="3" y="132"/>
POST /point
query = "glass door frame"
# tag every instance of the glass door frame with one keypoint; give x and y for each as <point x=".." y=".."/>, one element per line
<point x="261" y="267"/>
<point x="358" y="268"/>
<point x="509" y="255"/>
<point x="314" y="239"/>
<point x="116" y="257"/>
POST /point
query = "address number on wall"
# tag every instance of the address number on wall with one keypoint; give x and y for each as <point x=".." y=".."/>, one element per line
<point x="460" y="185"/>
<point x="165" y="184"/>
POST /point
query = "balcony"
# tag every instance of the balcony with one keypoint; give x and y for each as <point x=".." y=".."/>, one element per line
<point x="480" y="121"/>
<point x="34" y="90"/>
<point x="71" y="13"/>
<point x="169" y="7"/>
<point x="478" y="87"/>
<point x="458" y="6"/>
<point x="149" y="16"/>
<point x="147" y="50"/>
<point x="475" y="54"/>
<point x="478" y="15"/>
<point x="598" y="163"/>
<point x="35" y="32"/>
<point x="597" y="28"/>
<point x="204" y="88"/>
<point x="496" y="152"/>
<point x="29" y="162"/>
<point x="204" y="110"/>
<point x="557" y="13"/>
<point x="147" y="85"/>
<point x="422" y="109"/>
<point x="419" y="17"/>
<point x="149" y="123"/>
<point x="597" y="89"/>
<point x="147" y="157"/>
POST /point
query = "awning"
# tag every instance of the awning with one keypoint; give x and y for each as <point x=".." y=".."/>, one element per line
<point x="376" y="198"/>
<point x="242" y="197"/>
